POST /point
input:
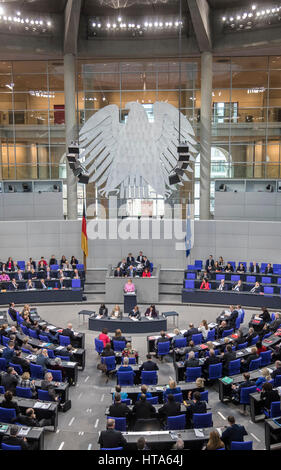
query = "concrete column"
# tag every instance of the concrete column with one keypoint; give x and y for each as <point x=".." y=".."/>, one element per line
<point x="205" y="133"/>
<point x="70" y="131"/>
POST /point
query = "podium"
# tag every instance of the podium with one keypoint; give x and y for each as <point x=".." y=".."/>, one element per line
<point x="130" y="301"/>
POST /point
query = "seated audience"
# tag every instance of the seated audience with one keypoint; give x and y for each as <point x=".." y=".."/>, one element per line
<point x="119" y="409"/>
<point x="142" y="444"/>
<point x="135" y="313"/>
<point x="234" y="432"/>
<point x="222" y="286"/>
<point x="236" y="389"/>
<point x="10" y="379"/>
<point x="254" y="268"/>
<point x="196" y="406"/>
<point x="47" y="384"/>
<point x="25" y="382"/>
<point x="177" y="335"/>
<point x="172" y="388"/>
<point x="229" y="268"/>
<point x="8" y="402"/>
<point x="118" y="389"/>
<point x="209" y="265"/>
<point x="146" y="273"/>
<point x="170" y="408"/>
<point x="125" y="367"/>
<point x="190" y="332"/>
<point x="256" y="289"/>
<point x="241" y="269"/>
<point x="128" y="351"/>
<point x="238" y="287"/>
<point x="268" y="395"/>
<point x="12" y="439"/>
<point x="246" y="362"/>
<point x="205" y="285"/>
<point x="191" y="361"/>
<point x="116" y="312"/>
<point x="148" y="364"/>
<point x="103" y="311"/>
<point x="111" y="438"/>
<point x="144" y="391"/>
<point x="265" y="377"/>
<point x="143" y="409"/>
<point x="151" y="312"/>
<point x="43" y="359"/>
<point x="108" y="351"/>
<point x="204" y="329"/>
<point x="277" y="370"/>
<point x="215" y="442"/>
<point x="18" y="359"/>
<point x="118" y="336"/>
<point x="268" y="269"/>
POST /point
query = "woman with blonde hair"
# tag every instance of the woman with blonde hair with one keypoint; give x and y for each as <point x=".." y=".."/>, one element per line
<point x="203" y="328"/>
<point x="265" y="377"/>
<point x="200" y="387"/>
<point x="215" y="441"/>
<point x="172" y="388"/>
<point x="129" y="351"/>
<point x="116" y="312"/>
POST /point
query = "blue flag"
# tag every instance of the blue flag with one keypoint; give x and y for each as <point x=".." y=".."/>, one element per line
<point x="188" y="234"/>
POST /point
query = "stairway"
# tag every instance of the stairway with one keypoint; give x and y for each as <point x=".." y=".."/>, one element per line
<point x="170" y="285"/>
<point x="95" y="285"/>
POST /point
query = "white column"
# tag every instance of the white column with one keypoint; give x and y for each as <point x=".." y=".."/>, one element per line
<point x="205" y="133"/>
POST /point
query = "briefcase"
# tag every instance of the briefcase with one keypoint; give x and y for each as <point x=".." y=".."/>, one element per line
<point x="65" y="406"/>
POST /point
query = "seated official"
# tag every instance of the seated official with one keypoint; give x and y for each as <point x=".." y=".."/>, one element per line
<point x="118" y="336"/>
<point x="47" y="384"/>
<point x="204" y="329"/>
<point x="205" y="275"/>
<point x="227" y="357"/>
<point x="103" y="336"/>
<point x="171" y="388"/>
<point x="250" y="336"/>
<point x="240" y="338"/>
<point x="18" y="359"/>
<point x="13" y="285"/>
<point x="118" y="272"/>
<point x="146" y="273"/>
<point x="241" y="269"/>
<point x="128" y="351"/>
<point x="9" y="351"/>
<point x="276" y="323"/>
<point x="129" y="287"/>
<point x="200" y="387"/>
<point x="234" y="432"/>
<point x="209" y="265"/>
<point x="148" y="365"/>
<point x="111" y="438"/>
<point x="142" y="444"/>
<point x="163" y="338"/>
<point x="191" y="360"/>
<point x="107" y="351"/>
<point x="221" y="328"/>
<point x="53" y="260"/>
<point x="123" y="265"/>
<point x="30" y="285"/>
<point x="177" y="335"/>
<point x="41" y="266"/>
<point x="268" y="395"/>
<point x="277" y="370"/>
<point x="144" y="391"/>
<point x="256" y="289"/>
<point x="119" y="409"/>
<point x="26" y="345"/>
<point x="42" y="284"/>
<point x="214" y="442"/>
<point x="52" y="337"/>
<point x="25" y="382"/>
<point x="68" y="331"/>
<point x="19" y="275"/>
<point x="130" y="260"/>
<point x="211" y="360"/>
<point x="205" y="285"/>
<point x="265" y="315"/>
<point x="268" y="269"/>
<point x="171" y="408"/>
<point x="125" y="367"/>
<point x="264" y="378"/>
<point x="10" y="379"/>
<point x="12" y="311"/>
<point x="130" y="271"/>
<point x="254" y="268"/>
<point x="196" y="406"/>
<point x="43" y="359"/>
<point x="76" y="274"/>
<point x="143" y="409"/>
<point x="12" y="439"/>
<point x="73" y="262"/>
<point x="8" y="402"/>
<point x="116" y="312"/>
<point x="140" y="257"/>
<point x="231" y="316"/>
<point x="222" y="286"/>
<point x="30" y="419"/>
<point x="190" y="332"/>
<point x="253" y="356"/>
<point x="217" y="267"/>
<point x="151" y="312"/>
<point x="238" y="287"/>
<point x="58" y="366"/>
<point x="103" y="311"/>
<point x="118" y="389"/>
<point x="135" y="313"/>
<point x="229" y="268"/>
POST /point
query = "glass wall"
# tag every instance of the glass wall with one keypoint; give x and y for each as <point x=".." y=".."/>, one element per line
<point x="246" y="115"/>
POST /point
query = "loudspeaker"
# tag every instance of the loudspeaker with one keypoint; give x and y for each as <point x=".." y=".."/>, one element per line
<point x="183" y="148"/>
<point x="83" y="178"/>
<point x="179" y="171"/>
<point x="73" y="149"/>
<point x="184" y="158"/>
<point x="174" y="179"/>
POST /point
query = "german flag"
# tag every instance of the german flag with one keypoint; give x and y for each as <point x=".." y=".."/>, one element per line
<point x="84" y="238"/>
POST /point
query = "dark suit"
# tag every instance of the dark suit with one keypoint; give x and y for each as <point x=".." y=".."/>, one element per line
<point x="15" y="441"/>
<point x="45" y="385"/>
<point x="209" y="263"/>
<point x="255" y="271"/>
<point x="236" y="433"/>
<point x="143" y="410"/>
<point x="192" y="362"/>
<point x="211" y="360"/>
<point x="135" y="314"/>
<point x="13" y="313"/>
<point x="276" y="372"/>
<point x="119" y="410"/>
<point x="226" y="358"/>
<point x="268" y="270"/>
<point x="170" y="409"/>
<point x="68" y="332"/>
<point x="130" y="261"/>
<point x="118" y="273"/>
<point x="21" y="362"/>
<point x="149" y="365"/>
<point x="111" y="438"/>
<point x="275" y="324"/>
<point x="188" y="334"/>
<point x="268" y="397"/>
<point x="198" y="407"/>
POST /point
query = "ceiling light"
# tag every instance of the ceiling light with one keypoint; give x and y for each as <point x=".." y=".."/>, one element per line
<point x="223" y="18"/>
<point x="119" y="19"/>
<point x="94" y="25"/>
<point x="18" y="13"/>
<point x="254" y="7"/>
<point x="1" y="11"/>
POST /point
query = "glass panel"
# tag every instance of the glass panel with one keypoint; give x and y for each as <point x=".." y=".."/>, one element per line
<point x="145" y="97"/>
<point x="55" y="67"/>
<point x="56" y="82"/>
<point x="221" y="73"/>
<point x="275" y="62"/>
<point x="249" y="79"/>
<point x="275" y="98"/>
<point x="249" y="63"/>
<point x="274" y="114"/>
<point x="275" y="79"/>
<point x="30" y="82"/>
<point x="138" y="81"/>
<point x="5" y="67"/>
<point x="101" y="81"/>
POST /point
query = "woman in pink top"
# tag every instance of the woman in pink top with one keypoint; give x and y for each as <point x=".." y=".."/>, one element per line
<point x="103" y="337"/>
<point x="129" y="286"/>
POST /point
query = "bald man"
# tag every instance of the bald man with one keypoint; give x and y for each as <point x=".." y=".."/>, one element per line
<point x="68" y="331"/>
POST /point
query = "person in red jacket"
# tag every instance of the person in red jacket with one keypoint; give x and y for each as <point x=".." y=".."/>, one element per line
<point x="104" y="337"/>
<point x="205" y="285"/>
<point x="146" y="273"/>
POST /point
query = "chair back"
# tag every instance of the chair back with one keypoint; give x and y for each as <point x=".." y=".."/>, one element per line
<point x="215" y="371"/>
<point x="265" y="358"/>
<point x="227" y="332"/>
<point x="119" y="345"/>
<point x="234" y="367"/>
<point x="178" y="397"/>
<point x="36" y="371"/>
<point x="251" y="279"/>
<point x="190" y="275"/>
<point x="8" y="447"/>
<point x="17" y="368"/>
<point x="125" y="378"/>
<point x="3" y="364"/>
<point x="266" y="280"/>
<point x="163" y="348"/>
<point x="202" y="420"/>
<point x="64" y="340"/>
<point x="176" y="422"/>
<point x="109" y="361"/>
<point x="43" y="395"/>
<point x="242" y="346"/>
<point x="197" y="339"/>
<point x="76" y="284"/>
<point x="7" y="415"/>
<point x="204" y="396"/>
<point x="255" y="340"/>
<point x="189" y="284"/>
<point x="5" y="340"/>
<point x="32" y="333"/>
<point x="277" y="381"/>
<point x="54" y="267"/>
<point x="98" y="345"/>
<point x="198" y="264"/>
<point x="180" y="343"/>
<point x="153" y="400"/>
<point x="51" y="353"/>
<point x="219" y="277"/>
<point x="23" y="392"/>
<point x="275" y="410"/>
<point x="235" y="277"/>
<point x="21" y="265"/>
<point x="237" y="322"/>
<point x="2" y="390"/>
<point x="211" y="336"/>
<point x="57" y="375"/>
<point x="192" y="373"/>
<point x="127" y="401"/>
<point x="132" y="360"/>
<point x="245" y="394"/>
<point x="120" y="423"/>
<point x="255" y="364"/>
<point x="80" y="267"/>
<point x="248" y="445"/>
<point x="44" y="338"/>
<point x="111" y="448"/>
<point x="25" y="330"/>
<point x="149" y="377"/>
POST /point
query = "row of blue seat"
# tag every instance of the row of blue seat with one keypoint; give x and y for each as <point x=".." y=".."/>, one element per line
<point x="198" y="266"/>
<point x="236" y="277"/>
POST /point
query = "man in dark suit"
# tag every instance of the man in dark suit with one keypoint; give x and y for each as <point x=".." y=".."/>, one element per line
<point x="140" y="257"/>
<point x="277" y="371"/>
<point x="9" y="351"/>
<point x="268" y="269"/>
<point x="254" y="268"/>
<point x="143" y="409"/>
<point x="123" y="265"/>
<point x="231" y="318"/>
<point x="14" y="440"/>
<point x="13" y="284"/>
<point x="146" y="262"/>
<point x="111" y="438"/>
<point x="24" y="363"/>
<point x="276" y="323"/>
<point x="209" y="265"/>
<point x="163" y="338"/>
<point x="130" y="260"/>
<point x="149" y="364"/>
<point x="234" y="432"/>
<point x="118" y="409"/>
<point x="47" y="384"/>
<point x="12" y="311"/>
<point x="191" y="361"/>
<point x="236" y="389"/>
<point x="171" y="408"/>
<point x="221" y="328"/>
<point x="30" y="419"/>
<point x="211" y="360"/>
<point x="196" y="406"/>
<point x="10" y="380"/>
<point x="68" y="331"/>
<point x="118" y="272"/>
<point x="43" y="359"/>
<point x="227" y="356"/>
<point x="192" y="331"/>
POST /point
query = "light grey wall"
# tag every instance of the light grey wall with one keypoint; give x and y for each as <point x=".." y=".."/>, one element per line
<point x="31" y="206"/>
<point x="234" y="240"/>
<point x="248" y="206"/>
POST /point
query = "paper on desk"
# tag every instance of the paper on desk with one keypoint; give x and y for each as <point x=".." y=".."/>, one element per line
<point x="23" y="432"/>
<point x="219" y="431"/>
<point x="199" y="433"/>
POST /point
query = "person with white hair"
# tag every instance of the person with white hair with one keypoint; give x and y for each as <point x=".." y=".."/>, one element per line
<point x="191" y="361"/>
